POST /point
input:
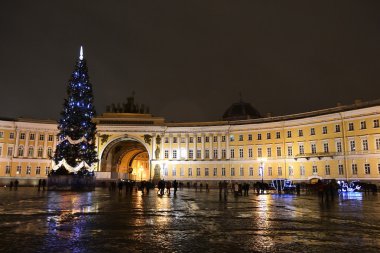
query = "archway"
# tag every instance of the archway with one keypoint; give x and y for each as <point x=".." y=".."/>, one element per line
<point x="126" y="158"/>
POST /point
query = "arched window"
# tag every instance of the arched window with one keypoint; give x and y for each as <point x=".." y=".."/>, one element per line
<point x="31" y="151"/>
<point x="40" y="150"/>
<point x="20" y="150"/>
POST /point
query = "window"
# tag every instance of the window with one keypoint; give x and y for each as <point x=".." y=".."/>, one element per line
<point x="250" y="171"/>
<point x="166" y="154"/>
<point x="339" y="147"/>
<point x="215" y="154"/>
<point x="191" y="139"/>
<point x="190" y="172"/>
<point x="198" y="172"/>
<point x="340" y="169"/>
<point x="42" y="137"/>
<point x="50" y="138"/>
<point x="207" y="154"/>
<point x="47" y="169"/>
<point x="215" y="172"/>
<point x="1" y="151"/>
<point x="278" y="135"/>
<point x="378" y="143"/>
<point x="28" y="170"/>
<point x="38" y="170"/>
<point x="352" y="145"/>
<point x="259" y="137"/>
<point x="199" y="154"/>
<point x="279" y="171"/>
<point x="223" y="172"/>
<point x="354" y="169"/>
<point x="337" y="128"/>
<point x="223" y="138"/>
<point x="365" y="145"/>
<point x="166" y="173"/>
<point x="10" y="151"/>
<point x="301" y="149"/>
<point x="350" y="126"/>
<point x="300" y="133"/>
<point x="232" y="137"/>
<point x="166" y="140"/>
<point x="241" y="173"/>
<point x="11" y="135"/>
<point x="278" y="151"/>
<point x="324" y="130"/>
<point x="21" y="151"/>
<point x="174" y="139"/>
<point x="289" y="134"/>
<point x="191" y="154"/>
<point x="207" y="139"/>
<point x="302" y="170"/>
<point x="232" y="151"/>
<point x="268" y="136"/>
<point x="250" y="153"/>
<point x="22" y="136"/>
<point x="1" y="134"/>
<point x="327" y="169"/>
<point x="174" y="154"/>
<point x="269" y="152"/>
<point x="250" y="137"/>
<point x="367" y="169"/>
<point x="241" y="152"/>
<point x="31" y="151"/>
<point x="259" y="152"/>
<point x="174" y="172"/>
<point x="325" y="147"/>
<point x="181" y="172"/>
<point x="18" y="170"/>
<point x="313" y="148"/>
<point x="223" y="153"/>
<point x="291" y="171"/>
<point x="32" y="137"/>
<point x="290" y="151"/>
<point x="270" y="171"/>
<point x="363" y="125"/>
<point x="376" y="123"/>
<point x="241" y="137"/>
<point x="315" y="169"/>
<point x="206" y="172"/>
<point x="215" y="138"/>
<point x="8" y="169"/>
<point x="232" y="172"/>
<point x="312" y="131"/>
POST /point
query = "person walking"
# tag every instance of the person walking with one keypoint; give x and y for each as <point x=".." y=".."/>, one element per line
<point x="16" y="184"/>
<point x="175" y="186"/>
<point x="11" y="185"/>
<point x="39" y="184"/>
<point x="225" y="189"/>
<point x="207" y="189"/>
<point x="43" y="184"/>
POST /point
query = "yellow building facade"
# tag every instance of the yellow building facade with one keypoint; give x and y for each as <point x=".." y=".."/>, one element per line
<point x="340" y="143"/>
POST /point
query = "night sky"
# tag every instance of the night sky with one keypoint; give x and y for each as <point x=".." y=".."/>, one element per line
<point x="188" y="60"/>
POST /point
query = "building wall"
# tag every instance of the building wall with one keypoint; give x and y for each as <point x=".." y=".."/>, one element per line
<point x="222" y="150"/>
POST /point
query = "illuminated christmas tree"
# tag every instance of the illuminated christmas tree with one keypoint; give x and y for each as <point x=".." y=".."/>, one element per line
<point x="76" y="151"/>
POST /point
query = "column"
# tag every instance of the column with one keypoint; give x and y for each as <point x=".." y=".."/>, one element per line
<point x="44" y="154"/>
<point x="170" y="147"/>
<point x="36" y="138"/>
<point x="219" y="147"/>
<point x="228" y="152"/>
<point x="179" y="147"/>
<point x="15" y="151"/>
<point x="162" y="147"/>
<point x="211" y="138"/>
<point x="26" y="147"/>
<point x="153" y="147"/>
<point x="195" y="147"/>
<point x="187" y="146"/>
<point x="203" y="146"/>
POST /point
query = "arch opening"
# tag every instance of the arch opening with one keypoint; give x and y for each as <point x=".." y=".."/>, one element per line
<point x="126" y="159"/>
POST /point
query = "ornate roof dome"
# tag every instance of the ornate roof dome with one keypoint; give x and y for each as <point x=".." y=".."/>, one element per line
<point x="241" y="111"/>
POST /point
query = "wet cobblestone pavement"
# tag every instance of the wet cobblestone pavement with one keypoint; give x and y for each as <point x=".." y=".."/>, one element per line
<point x="101" y="221"/>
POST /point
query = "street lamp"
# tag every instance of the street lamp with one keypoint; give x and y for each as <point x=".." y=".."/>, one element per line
<point x="262" y="160"/>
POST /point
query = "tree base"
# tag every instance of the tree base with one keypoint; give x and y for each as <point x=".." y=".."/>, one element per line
<point x="71" y="182"/>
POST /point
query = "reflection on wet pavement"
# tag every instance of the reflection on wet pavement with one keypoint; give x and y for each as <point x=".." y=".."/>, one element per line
<point x="101" y="221"/>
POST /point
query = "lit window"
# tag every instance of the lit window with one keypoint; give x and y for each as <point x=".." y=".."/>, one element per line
<point x="250" y="171"/>
<point x="28" y="170"/>
<point x="223" y="172"/>
<point x="232" y="137"/>
<point x="269" y="152"/>
<point x="241" y="152"/>
<point x="190" y="172"/>
<point x="301" y="149"/>
<point x="250" y="153"/>
<point x="191" y="154"/>
<point x="291" y="172"/>
<point x="223" y="138"/>
<point x="352" y="145"/>
<point x="313" y="148"/>
<point x="174" y="172"/>
<point x="232" y="153"/>
<point x="174" y="154"/>
<point x="315" y="169"/>
<point x="241" y="173"/>
<point x="166" y="154"/>
<point x="279" y="151"/>
<point x="365" y="145"/>
<point x="302" y="170"/>
<point x="290" y="151"/>
<point x="270" y="171"/>
<point x="181" y="172"/>
<point x="339" y="147"/>
<point x="259" y="152"/>
<point x="18" y="170"/>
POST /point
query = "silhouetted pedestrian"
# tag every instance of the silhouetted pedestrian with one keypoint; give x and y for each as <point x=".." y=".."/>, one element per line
<point x="175" y="186"/>
<point x="39" y="184"/>
<point x="16" y="184"/>
<point x="43" y="184"/>
<point x="11" y="185"/>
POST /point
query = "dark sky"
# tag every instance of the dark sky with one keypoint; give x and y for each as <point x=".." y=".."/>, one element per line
<point x="188" y="60"/>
